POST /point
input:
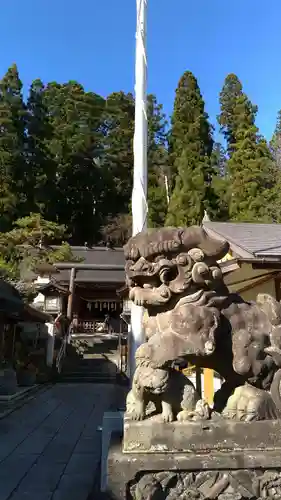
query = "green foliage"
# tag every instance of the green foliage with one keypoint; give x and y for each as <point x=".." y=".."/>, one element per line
<point x="12" y="149"/>
<point x="252" y="175"/>
<point x="191" y="146"/>
<point x="34" y="230"/>
<point x="117" y="156"/>
<point x="118" y="163"/>
<point x="157" y="163"/>
<point x="74" y="146"/>
<point x="219" y="159"/>
<point x="219" y="210"/>
<point x="66" y="166"/>
<point x="28" y="244"/>
<point x="234" y="106"/>
<point x="62" y="253"/>
<point x="7" y="268"/>
<point x="275" y="143"/>
<point x="42" y="165"/>
<point x="232" y="89"/>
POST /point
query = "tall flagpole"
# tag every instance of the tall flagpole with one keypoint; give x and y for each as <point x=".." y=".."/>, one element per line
<point x="139" y="202"/>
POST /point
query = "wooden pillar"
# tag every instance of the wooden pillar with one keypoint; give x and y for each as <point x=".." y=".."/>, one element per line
<point x="198" y="372"/>
<point x="71" y="293"/>
<point x="277" y="283"/>
<point x="209" y="385"/>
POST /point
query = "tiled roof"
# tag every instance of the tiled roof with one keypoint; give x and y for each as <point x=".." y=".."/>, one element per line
<point x="51" y="287"/>
<point x="92" y="276"/>
<point x="97" y="256"/>
<point x="11" y="303"/>
<point x="249" y="239"/>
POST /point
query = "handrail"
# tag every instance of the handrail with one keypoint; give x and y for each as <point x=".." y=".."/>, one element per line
<point x="62" y="351"/>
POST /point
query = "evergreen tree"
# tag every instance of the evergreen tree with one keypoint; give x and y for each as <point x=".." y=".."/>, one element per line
<point x="251" y="176"/>
<point x="220" y="183"/>
<point x="219" y="159"/>
<point x="41" y="164"/>
<point x="251" y="172"/>
<point x="75" y="146"/>
<point x="157" y="163"/>
<point x="229" y="118"/>
<point x="190" y="150"/>
<point x="119" y="161"/>
<point x="29" y="244"/>
<point x="275" y="143"/>
<point x="12" y="148"/>
<point x="118" y="158"/>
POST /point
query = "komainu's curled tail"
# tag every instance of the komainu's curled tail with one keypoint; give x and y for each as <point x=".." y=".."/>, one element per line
<point x="271" y="307"/>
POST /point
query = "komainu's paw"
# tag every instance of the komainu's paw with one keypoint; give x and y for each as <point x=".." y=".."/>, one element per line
<point x="138" y="411"/>
<point x="135" y="415"/>
<point x="167" y="416"/>
<point x="248" y="403"/>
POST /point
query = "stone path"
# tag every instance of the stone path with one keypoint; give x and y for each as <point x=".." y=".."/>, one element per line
<point x="50" y="448"/>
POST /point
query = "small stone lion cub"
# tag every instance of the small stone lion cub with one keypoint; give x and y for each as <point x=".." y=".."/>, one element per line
<point x="169" y="392"/>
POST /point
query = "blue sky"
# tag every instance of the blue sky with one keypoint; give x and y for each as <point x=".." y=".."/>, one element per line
<point x="93" y="41"/>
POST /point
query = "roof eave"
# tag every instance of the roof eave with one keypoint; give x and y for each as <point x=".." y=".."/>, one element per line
<point x="44" y="288"/>
<point x="35" y="315"/>
<point x="262" y="262"/>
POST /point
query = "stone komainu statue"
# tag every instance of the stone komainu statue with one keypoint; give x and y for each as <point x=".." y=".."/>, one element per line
<point x="192" y="317"/>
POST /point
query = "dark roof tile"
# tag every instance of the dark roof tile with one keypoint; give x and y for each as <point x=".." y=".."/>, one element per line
<point x="98" y="256"/>
<point x="259" y="240"/>
<point x="92" y="276"/>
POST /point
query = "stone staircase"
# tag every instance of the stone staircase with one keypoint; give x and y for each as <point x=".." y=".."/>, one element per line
<point x="90" y="359"/>
<point x="88" y="370"/>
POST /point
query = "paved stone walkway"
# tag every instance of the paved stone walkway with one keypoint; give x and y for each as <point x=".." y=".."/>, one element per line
<point x="50" y="448"/>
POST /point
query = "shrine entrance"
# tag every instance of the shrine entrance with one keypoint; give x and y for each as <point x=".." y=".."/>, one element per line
<point x="87" y="293"/>
<point x="94" y="315"/>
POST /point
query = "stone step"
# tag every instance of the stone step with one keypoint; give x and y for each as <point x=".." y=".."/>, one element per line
<point x="97" y="378"/>
<point x="87" y="373"/>
<point x="87" y="361"/>
<point x="88" y="366"/>
<point x="84" y="368"/>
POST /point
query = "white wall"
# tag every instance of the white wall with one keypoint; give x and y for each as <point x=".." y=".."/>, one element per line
<point x="39" y="299"/>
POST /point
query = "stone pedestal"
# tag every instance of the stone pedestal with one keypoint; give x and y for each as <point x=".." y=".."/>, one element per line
<point x="222" y="460"/>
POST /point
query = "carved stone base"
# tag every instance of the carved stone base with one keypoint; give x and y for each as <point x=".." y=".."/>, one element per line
<point x="234" y="470"/>
<point x="221" y="485"/>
